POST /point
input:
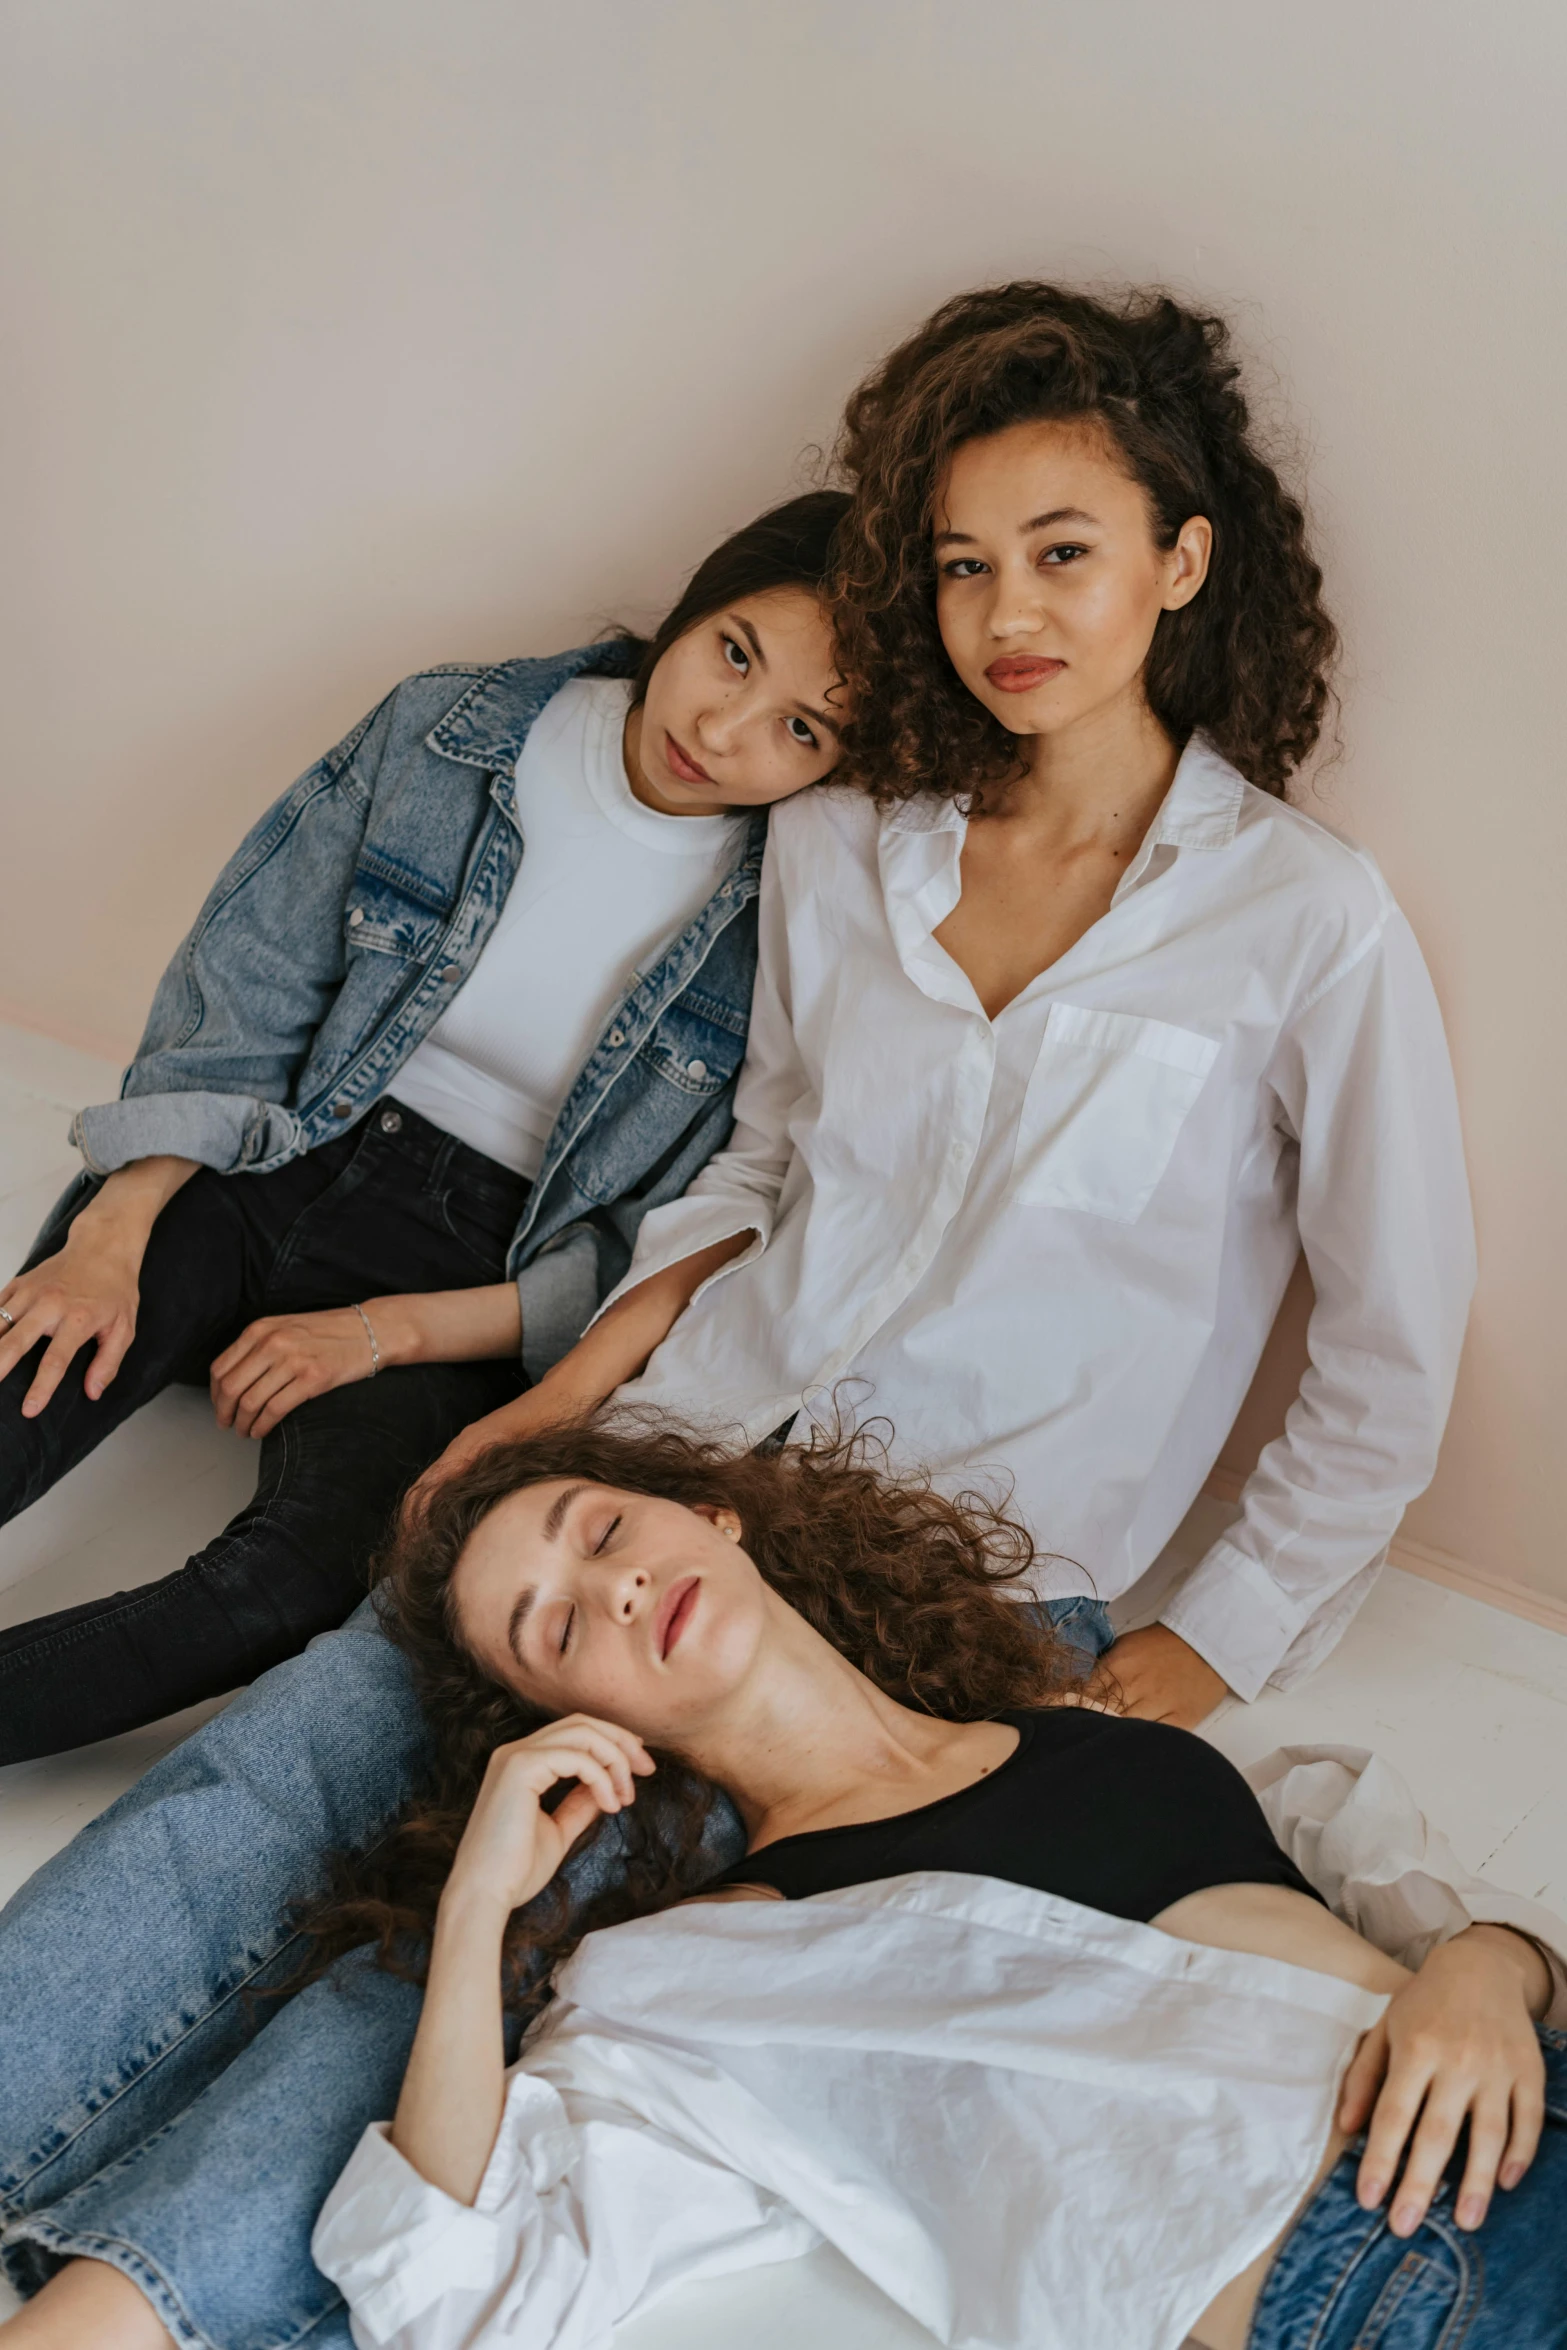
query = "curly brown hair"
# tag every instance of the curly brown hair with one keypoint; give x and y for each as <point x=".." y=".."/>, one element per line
<point x="1247" y="661"/>
<point x="905" y="1582"/>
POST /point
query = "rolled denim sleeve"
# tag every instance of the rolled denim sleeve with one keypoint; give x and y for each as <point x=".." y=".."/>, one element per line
<point x="237" y="1009"/>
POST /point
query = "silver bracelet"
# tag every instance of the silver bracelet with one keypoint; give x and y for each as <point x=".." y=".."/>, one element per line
<point x="375" y="1351"/>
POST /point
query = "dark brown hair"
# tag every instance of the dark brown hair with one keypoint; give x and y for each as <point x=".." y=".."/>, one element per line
<point x="908" y="1584"/>
<point x="792" y="545"/>
<point x="1246" y="661"/>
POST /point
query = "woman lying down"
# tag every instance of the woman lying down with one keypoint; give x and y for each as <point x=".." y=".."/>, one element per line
<point x="1016" y="2002"/>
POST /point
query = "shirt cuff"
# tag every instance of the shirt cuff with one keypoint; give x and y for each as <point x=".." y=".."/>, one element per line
<point x="393" y="2244"/>
<point x="1235" y="1616"/>
<point x="684" y="1229"/>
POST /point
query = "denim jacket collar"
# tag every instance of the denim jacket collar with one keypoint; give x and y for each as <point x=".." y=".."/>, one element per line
<point x="490" y="724"/>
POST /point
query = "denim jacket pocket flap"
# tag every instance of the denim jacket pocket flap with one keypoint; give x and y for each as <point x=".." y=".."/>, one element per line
<point x="694" y="1052"/>
<point x="1105" y="1105"/>
<point x="381" y="918"/>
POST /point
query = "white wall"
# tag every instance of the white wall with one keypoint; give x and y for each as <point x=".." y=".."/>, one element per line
<point x="346" y="335"/>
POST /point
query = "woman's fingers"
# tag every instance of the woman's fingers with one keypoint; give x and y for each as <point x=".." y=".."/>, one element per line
<point x="113" y="1346"/>
<point x="279" y="1404"/>
<point x="596" y="1761"/>
<point x="270" y="1380"/>
<point x="1488" y="2137"/>
<point x="1528" y="2117"/>
<point x="22" y="1336"/>
<point x="71" y="1335"/>
<point x="622" y="1744"/>
<point x="1362" y="2081"/>
<point x="575" y="1816"/>
<point x="1396" y="2108"/>
<point x="1434" y="2140"/>
<point x="228" y="1362"/>
<point x="565" y="1748"/>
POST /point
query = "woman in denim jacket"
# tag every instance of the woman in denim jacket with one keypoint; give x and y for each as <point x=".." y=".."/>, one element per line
<point x="301" y="1040"/>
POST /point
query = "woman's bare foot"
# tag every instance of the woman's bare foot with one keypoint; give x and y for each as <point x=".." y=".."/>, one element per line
<point x="88" y="2306"/>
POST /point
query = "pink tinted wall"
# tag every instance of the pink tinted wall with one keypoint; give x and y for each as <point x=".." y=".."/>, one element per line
<point x="348" y="337"/>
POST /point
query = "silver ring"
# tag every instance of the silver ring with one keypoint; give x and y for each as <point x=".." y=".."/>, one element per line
<point x="8" y="1319"/>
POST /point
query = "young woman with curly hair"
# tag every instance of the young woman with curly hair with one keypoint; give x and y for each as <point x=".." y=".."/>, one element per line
<point x="1041" y="1940"/>
<point x="1070" y="1032"/>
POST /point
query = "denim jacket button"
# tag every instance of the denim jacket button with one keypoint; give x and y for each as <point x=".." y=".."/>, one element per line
<point x="356" y="917"/>
<point x="696" y="1068"/>
<point x="342" y="1109"/>
<point x="449" y="971"/>
<point x="617" y="1036"/>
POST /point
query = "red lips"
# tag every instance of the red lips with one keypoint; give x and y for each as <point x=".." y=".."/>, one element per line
<point x="1018" y="673"/>
<point x="675" y="1611"/>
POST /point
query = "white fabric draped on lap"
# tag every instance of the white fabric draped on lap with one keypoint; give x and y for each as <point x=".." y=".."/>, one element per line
<point x="1029" y="2124"/>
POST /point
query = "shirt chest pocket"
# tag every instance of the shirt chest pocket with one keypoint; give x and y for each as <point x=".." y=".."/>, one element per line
<point x="1106" y="1102"/>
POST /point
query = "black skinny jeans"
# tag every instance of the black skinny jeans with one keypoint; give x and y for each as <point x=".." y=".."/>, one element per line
<point x="396" y="1205"/>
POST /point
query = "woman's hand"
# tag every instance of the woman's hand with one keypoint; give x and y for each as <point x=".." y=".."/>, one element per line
<point x="544" y="1406"/>
<point x="88" y="1294"/>
<point x="453" y="2091"/>
<point x="90" y="1290"/>
<point x="512" y="1846"/>
<point x="1155" y="1676"/>
<point x="281" y="1361"/>
<point x="1457" y="2044"/>
<point x="615" y="1349"/>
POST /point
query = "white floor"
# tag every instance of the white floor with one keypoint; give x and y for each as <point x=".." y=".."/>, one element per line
<point x="1469" y="1703"/>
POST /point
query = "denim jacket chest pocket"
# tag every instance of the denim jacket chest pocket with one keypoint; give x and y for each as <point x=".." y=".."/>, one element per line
<point x="386" y="916"/>
<point x="697" y="1044"/>
<point x="1108" y="1096"/>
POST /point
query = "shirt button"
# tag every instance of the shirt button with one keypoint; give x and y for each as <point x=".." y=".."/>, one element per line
<point x="617" y="1037"/>
<point x="391" y="1122"/>
<point x="450" y="971"/>
<point x="356" y="917"/>
<point x="696" y="1068"/>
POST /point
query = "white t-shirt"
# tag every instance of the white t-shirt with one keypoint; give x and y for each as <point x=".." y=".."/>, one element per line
<point x="604" y="885"/>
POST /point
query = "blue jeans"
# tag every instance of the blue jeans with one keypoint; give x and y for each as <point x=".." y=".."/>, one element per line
<point x="157" y="2111"/>
<point x="1341" y="2282"/>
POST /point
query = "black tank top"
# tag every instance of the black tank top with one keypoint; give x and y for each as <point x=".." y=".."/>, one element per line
<point x="1123" y="1816"/>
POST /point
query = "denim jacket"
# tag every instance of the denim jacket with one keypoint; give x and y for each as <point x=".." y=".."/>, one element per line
<point x="343" y="927"/>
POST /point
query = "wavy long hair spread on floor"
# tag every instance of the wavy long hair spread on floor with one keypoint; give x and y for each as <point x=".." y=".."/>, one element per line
<point x="1247" y="661"/>
<point x="909" y="1584"/>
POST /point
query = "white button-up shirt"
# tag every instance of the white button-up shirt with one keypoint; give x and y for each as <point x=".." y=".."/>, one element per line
<point x="1053" y="1243"/>
<point x="1033" y="2126"/>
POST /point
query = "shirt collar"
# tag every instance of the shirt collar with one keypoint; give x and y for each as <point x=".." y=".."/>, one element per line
<point x="1200" y="810"/>
<point x="921" y="842"/>
<point x="1203" y="804"/>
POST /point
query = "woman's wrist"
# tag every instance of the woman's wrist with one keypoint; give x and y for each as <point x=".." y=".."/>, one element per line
<point x="400" y="1335"/>
<point x="1521" y="1955"/>
<point x="446" y="1325"/>
<point x="118" y="1219"/>
<point x="470" y="1916"/>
